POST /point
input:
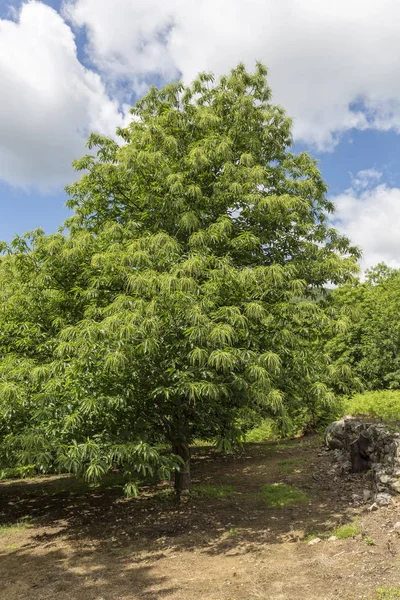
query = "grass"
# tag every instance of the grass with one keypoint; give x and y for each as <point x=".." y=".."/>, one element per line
<point x="209" y="490"/>
<point x="369" y="541"/>
<point x="280" y="494"/>
<point x="10" y="528"/>
<point x="388" y="593"/>
<point x="383" y="405"/>
<point x="342" y="532"/>
<point x="348" y="530"/>
<point x="291" y="464"/>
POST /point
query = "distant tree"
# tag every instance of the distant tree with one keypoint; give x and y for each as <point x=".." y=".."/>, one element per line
<point x="370" y="341"/>
<point x="184" y="296"/>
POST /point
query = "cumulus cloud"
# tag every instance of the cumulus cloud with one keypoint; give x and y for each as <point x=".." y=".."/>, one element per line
<point x="369" y="217"/>
<point x="331" y="63"/>
<point x="49" y="101"/>
<point x="365" y="178"/>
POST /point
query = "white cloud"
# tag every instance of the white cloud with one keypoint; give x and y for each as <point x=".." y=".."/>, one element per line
<point x="332" y="66"/>
<point x="49" y="101"/>
<point x="370" y="218"/>
<point x="365" y="179"/>
<point x="325" y="57"/>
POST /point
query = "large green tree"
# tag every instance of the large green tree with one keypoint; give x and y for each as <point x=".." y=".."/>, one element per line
<point x="183" y="295"/>
<point x="370" y="341"/>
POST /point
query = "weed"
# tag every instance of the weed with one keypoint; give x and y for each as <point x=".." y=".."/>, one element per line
<point x="290" y="465"/>
<point x="233" y="531"/>
<point x="280" y="494"/>
<point x="343" y="532"/>
<point x="10" y="528"/>
<point x="369" y="541"/>
<point x="390" y="593"/>
<point x="214" y="491"/>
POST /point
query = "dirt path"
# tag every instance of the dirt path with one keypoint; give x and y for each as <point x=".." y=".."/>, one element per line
<point x="225" y="544"/>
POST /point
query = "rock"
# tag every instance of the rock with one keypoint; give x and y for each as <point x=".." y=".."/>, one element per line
<point x="373" y="507"/>
<point x="383" y="499"/>
<point x="384" y="478"/>
<point x="367" y="495"/>
<point x="333" y="538"/>
<point x="359" y="446"/>
<point x="396" y="526"/>
<point x="395" y="485"/>
<point x="314" y="541"/>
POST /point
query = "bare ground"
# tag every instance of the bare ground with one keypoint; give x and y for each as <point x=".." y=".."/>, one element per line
<point x="93" y="544"/>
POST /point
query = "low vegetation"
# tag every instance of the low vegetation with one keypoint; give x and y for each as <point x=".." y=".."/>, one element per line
<point x="348" y="530"/>
<point x="388" y="593"/>
<point x="9" y="529"/>
<point x="213" y="491"/>
<point x="281" y="494"/>
<point x="382" y="405"/>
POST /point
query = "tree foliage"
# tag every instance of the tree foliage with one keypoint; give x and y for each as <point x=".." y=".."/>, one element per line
<point x="369" y="342"/>
<point x="183" y="296"/>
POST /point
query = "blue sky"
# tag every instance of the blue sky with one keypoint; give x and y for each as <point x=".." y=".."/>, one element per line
<point x="71" y="66"/>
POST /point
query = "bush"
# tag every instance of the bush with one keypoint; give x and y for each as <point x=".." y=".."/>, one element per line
<point x="18" y="472"/>
<point x="382" y="405"/>
<point x="262" y="433"/>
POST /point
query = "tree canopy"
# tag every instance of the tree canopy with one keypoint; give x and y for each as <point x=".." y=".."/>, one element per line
<point x="370" y="342"/>
<point x="181" y="298"/>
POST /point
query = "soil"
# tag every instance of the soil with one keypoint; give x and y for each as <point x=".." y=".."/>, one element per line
<point x="94" y="544"/>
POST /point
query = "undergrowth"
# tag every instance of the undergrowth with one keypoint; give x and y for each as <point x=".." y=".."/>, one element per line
<point x="348" y="530"/>
<point x="21" y="525"/>
<point x="383" y="405"/>
<point x="214" y="491"/>
<point x="388" y="593"/>
<point x="281" y="494"/>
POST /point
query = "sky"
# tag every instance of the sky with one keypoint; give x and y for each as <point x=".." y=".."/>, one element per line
<point x="68" y="67"/>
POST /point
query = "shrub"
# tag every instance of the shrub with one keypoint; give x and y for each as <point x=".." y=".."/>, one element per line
<point x="383" y="405"/>
<point x="262" y="433"/>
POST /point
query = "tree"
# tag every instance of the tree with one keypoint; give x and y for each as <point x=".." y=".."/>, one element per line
<point x="197" y="252"/>
<point x="370" y="342"/>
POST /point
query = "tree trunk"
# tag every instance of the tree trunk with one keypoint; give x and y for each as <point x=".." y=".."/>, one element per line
<point x="182" y="477"/>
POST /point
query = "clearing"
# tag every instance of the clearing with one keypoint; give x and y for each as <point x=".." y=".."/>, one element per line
<point x="241" y="536"/>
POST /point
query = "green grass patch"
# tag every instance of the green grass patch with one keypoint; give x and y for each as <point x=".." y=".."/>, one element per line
<point x="291" y="464"/>
<point x="10" y="528"/>
<point x="280" y="494"/>
<point x="369" y="541"/>
<point x="342" y="532"/>
<point x="209" y="490"/>
<point x="348" y="530"/>
<point x="383" y="405"/>
<point x="388" y="593"/>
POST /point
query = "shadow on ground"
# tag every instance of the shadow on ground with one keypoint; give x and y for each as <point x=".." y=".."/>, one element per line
<point x="96" y="541"/>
